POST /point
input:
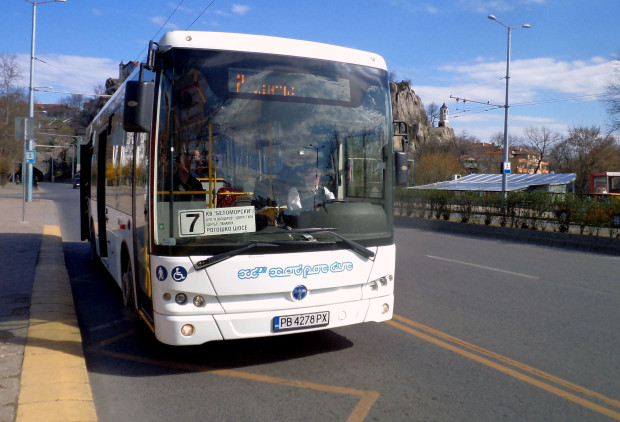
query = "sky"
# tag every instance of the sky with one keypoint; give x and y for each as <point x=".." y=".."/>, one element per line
<point x="559" y="67"/>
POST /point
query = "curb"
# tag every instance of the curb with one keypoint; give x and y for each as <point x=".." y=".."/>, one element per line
<point x="585" y="243"/>
<point x="54" y="382"/>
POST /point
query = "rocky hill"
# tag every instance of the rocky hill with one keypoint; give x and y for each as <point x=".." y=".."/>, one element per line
<point x="408" y="106"/>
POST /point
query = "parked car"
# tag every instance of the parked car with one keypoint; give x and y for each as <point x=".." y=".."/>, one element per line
<point x="76" y="180"/>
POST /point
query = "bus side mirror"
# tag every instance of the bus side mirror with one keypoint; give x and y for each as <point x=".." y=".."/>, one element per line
<point x="138" y="106"/>
<point x="401" y="168"/>
<point x="401" y="129"/>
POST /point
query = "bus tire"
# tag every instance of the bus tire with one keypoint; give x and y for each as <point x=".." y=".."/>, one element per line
<point x="127" y="283"/>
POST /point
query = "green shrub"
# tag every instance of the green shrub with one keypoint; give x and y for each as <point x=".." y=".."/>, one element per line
<point x="535" y="210"/>
<point x="464" y="204"/>
<point x="614" y="217"/>
<point x="441" y="204"/>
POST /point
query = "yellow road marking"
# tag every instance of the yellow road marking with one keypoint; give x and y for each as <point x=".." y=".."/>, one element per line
<point x="115" y="338"/>
<point x="523" y="377"/>
<point x="52" y="230"/>
<point x="359" y="413"/>
<point x="542" y="374"/>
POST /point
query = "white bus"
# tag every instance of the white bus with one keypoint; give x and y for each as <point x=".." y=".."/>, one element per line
<point x="241" y="186"/>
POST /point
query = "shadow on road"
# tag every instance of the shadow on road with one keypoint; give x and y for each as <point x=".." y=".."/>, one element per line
<point x="114" y="339"/>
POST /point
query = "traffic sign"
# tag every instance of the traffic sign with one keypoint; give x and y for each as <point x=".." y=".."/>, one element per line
<point x="31" y="157"/>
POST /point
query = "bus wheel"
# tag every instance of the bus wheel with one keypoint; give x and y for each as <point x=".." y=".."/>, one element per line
<point x="127" y="279"/>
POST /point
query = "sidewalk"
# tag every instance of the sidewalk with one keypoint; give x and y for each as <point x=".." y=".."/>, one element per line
<point x="43" y="374"/>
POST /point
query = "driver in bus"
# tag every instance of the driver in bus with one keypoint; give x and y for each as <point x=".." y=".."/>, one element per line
<point x="183" y="181"/>
<point x="310" y="194"/>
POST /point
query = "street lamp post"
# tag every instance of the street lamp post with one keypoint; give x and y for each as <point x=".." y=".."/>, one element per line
<point x="505" y="162"/>
<point x="316" y="174"/>
<point x="317" y="158"/>
<point x="29" y="143"/>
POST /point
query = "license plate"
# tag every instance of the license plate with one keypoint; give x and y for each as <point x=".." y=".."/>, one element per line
<point x="295" y="322"/>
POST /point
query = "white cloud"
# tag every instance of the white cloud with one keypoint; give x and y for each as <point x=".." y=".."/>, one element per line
<point x="543" y="92"/>
<point x="415" y="6"/>
<point x="68" y="73"/>
<point x="495" y="6"/>
<point x="486" y="6"/>
<point x="531" y="78"/>
<point x="240" y="9"/>
<point x="158" y="20"/>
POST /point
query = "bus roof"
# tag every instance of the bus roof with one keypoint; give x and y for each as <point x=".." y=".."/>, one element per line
<point x="269" y="45"/>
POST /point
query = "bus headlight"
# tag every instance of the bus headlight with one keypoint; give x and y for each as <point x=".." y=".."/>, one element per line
<point x="180" y="298"/>
<point x="380" y="282"/>
<point x="386" y="308"/>
<point x="199" y="301"/>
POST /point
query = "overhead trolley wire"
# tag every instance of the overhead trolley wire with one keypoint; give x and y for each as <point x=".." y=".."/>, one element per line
<point x="560" y="100"/>
<point x="167" y="20"/>
<point x="158" y="31"/>
<point x="74" y="75"/>
<point x="170" y="17"/>
<point x="526" y="103"/>
<point x="161" y="27"/>
<point x="201" y="13"/>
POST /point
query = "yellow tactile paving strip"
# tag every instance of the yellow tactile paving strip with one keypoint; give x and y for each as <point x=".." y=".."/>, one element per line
<point x="54" y="381"/>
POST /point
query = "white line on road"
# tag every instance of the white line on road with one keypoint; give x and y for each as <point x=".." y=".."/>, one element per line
<point x="483" y="267"/>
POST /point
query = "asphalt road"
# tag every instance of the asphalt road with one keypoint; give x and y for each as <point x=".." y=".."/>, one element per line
<point x="483" y="330"/>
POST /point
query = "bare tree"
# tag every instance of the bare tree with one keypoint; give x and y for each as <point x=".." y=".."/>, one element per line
<point x="540" y="141"/>
<point x="497" y="139"/>
<point x="583" y="151"/>
<point x="464" y="137"/>
<point x="11" y="74"/>
<point x="13" y="103"/>
<point x="99" y="89"/>
<point x="436" y="166"/>
<point x="613" y="100"/>
<point x="432" y="112"/>
<point x="73" y="100"/>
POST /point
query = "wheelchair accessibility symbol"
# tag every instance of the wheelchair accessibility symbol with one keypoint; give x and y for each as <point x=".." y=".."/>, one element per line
<point x="178" y="274"/>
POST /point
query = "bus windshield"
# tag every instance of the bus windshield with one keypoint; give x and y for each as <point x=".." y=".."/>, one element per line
<point x="254" y="147"/>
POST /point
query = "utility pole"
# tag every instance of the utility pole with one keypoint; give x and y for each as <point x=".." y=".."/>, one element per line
<point x="505" y="162"/>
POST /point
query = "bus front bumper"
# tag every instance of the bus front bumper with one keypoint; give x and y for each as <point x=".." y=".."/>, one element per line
<point x="198" y="329"/>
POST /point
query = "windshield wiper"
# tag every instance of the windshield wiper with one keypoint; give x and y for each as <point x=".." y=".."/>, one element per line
<point x="225" y="255"/>
<point x="308" y="240"/>
<point x="365" y="252"/>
